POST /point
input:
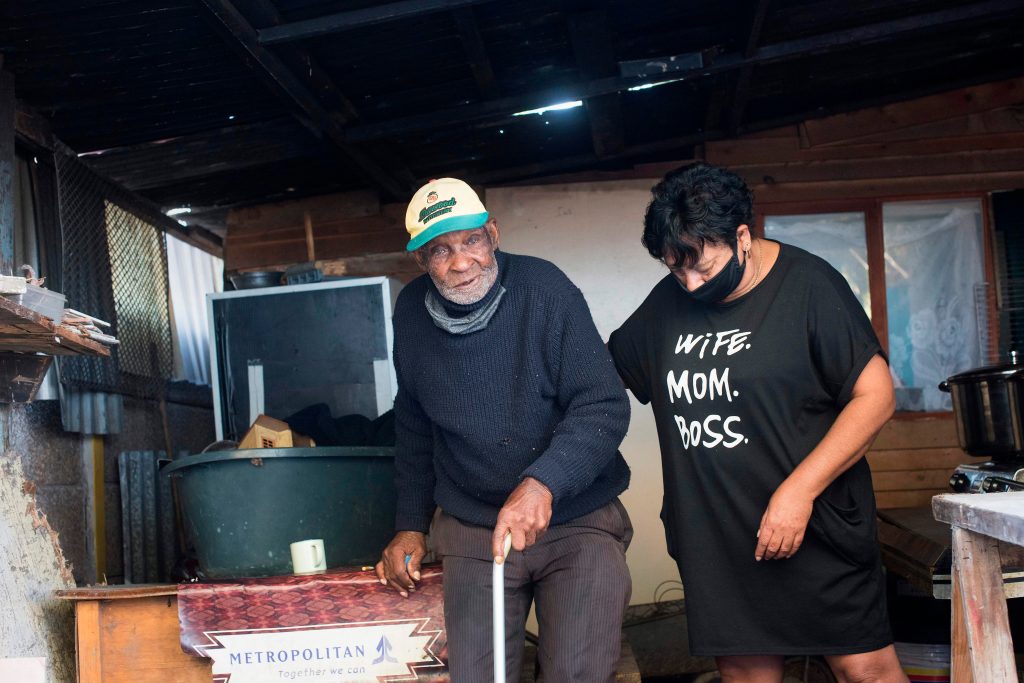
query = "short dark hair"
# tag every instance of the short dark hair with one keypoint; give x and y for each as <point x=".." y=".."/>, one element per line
<point x="693" y="205"/>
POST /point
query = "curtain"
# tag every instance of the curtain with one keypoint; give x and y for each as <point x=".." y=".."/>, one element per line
<point x="193" y="274"/>
<point x="836" y="237"/>
<point x="934" y="285"/>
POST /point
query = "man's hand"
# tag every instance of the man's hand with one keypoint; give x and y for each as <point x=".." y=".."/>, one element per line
<point x="783" y="524"/>
<point x="526" y="514"/>
<point x="392" y="569"/>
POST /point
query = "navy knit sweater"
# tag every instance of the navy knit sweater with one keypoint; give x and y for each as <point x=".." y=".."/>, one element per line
<point x="534" y="394"/>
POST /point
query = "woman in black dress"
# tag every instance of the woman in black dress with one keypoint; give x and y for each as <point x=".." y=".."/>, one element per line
<point x="767" y="384"/>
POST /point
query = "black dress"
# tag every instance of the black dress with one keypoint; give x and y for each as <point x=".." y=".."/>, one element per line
<point x="742" y="392"/>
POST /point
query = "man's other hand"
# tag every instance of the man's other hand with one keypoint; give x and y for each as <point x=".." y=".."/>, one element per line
<point x="526" y="514"/>
<point x="392" y="570"/>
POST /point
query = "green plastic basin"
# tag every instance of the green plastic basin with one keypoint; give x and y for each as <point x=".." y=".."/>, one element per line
<point x="242" y="508"/>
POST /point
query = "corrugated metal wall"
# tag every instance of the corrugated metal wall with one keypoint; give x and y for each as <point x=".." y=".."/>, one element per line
<point x="90" y="412"/>
<point x="147" y="517"/>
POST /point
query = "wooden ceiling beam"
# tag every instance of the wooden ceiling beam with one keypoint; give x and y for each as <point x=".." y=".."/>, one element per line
<point x="301" y="61"/>
<point x="838" y="40"/>
<point x="741" y="92"/>
<point x="828" y="42"/>
<point x="203" y="137"/>
<point x="592" y="41"/>
<point x="583" y="161"/>
<point x="353" y="19"/>
<point x="314" y="116"/>
<point x="476" y="52"/>
<point x="138" y="177"/>
<point x="716" y="114"/>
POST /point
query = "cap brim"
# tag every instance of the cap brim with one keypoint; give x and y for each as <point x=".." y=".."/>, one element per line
<point x="450" y="224"/>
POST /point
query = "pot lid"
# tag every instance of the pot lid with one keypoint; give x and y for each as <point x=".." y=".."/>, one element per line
<point x="998" y="372"/>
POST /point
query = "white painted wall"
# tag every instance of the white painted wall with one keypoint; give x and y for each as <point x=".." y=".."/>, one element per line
<point x="592" y="232"/>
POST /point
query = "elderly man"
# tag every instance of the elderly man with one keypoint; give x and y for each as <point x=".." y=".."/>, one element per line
<point x="509" y="413"/>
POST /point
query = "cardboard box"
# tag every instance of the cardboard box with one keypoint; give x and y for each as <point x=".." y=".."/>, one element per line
<point x="266" y="432"/>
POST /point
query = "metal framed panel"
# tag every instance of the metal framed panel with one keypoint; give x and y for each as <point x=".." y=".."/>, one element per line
<point x="218" y="351"/>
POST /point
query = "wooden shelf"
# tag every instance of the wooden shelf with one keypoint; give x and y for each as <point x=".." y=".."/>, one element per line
<point x="23" y="330"/>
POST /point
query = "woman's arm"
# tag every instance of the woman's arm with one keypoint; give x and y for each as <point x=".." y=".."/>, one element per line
<point x="871" y="404"/>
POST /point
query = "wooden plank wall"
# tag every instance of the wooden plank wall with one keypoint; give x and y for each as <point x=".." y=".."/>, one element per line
<point x="350" y="224"/>
<point x="912" y="460"/>
<point x="967" y="140"/>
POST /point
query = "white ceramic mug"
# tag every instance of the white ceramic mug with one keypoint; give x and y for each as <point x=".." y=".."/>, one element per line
<point x="308" y="556"/>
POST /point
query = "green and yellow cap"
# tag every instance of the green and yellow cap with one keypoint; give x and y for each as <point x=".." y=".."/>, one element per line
<point x="441" y="206"/>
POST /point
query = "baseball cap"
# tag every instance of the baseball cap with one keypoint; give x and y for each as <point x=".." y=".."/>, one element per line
<point x="441" y="206"/>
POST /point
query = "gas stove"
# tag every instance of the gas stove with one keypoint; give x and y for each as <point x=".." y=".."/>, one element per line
<point x="989" y="477"/>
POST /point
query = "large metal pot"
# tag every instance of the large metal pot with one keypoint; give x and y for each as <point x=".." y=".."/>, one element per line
<point x="988" y="404"/>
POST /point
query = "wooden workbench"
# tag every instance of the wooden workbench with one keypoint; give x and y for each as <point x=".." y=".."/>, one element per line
<point x="980" y="637"/>
<point x="918" y="548"/>
<point x="129" y="634"/>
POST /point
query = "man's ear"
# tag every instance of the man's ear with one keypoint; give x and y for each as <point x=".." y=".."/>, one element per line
<point x="420" y="259"/>
<point x="492" y="231"/>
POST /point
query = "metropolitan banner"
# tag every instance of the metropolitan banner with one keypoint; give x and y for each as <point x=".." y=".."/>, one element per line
<point x="338" y="627"/>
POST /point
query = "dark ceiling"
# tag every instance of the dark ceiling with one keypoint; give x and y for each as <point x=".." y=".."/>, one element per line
<point x="220" y="103"/>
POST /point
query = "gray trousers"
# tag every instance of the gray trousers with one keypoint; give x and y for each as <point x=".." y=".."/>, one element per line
<point x="577" y="574"/>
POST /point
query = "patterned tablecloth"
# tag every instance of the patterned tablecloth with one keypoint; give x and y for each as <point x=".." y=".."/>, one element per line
<point x="342" y="626"/>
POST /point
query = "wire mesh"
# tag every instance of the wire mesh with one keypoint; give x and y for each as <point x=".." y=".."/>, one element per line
<point x="984" y="303"/>
<point x="1011" y="314"/>
<point x="115" y="268"/>
<point x="1010" y="291"/>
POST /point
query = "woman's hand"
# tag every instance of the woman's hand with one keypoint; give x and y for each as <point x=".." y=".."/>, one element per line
<point x="783" y="523"/>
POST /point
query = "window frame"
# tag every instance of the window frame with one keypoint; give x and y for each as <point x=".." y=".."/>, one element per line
<point x="871" y="207"/>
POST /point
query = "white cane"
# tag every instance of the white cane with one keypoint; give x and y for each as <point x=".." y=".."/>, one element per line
<point x="498" y="612"/>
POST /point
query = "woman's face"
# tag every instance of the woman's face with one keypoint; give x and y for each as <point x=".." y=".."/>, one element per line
<point x="712" y="260"/>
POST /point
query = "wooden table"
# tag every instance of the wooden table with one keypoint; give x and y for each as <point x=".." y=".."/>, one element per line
<point x="981" y="643"/>
<point x="130" y="634"/>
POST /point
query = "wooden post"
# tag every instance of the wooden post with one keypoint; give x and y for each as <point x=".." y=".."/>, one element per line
<point x="7" y="170"/>
<point x="960" y="652"/>
<point x="979" y="615"/>
<point x="307" y="221"/>
<point x="99" y="506"/>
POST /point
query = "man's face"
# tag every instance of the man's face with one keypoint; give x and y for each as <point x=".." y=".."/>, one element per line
<point x="461" y="263"/>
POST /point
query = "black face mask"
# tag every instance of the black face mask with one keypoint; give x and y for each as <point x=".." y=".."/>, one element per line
<point x="721" y="285"/>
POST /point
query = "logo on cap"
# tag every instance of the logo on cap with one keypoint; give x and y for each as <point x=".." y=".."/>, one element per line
<point x="431" y="212"/>
<point x="431" y="198"/>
